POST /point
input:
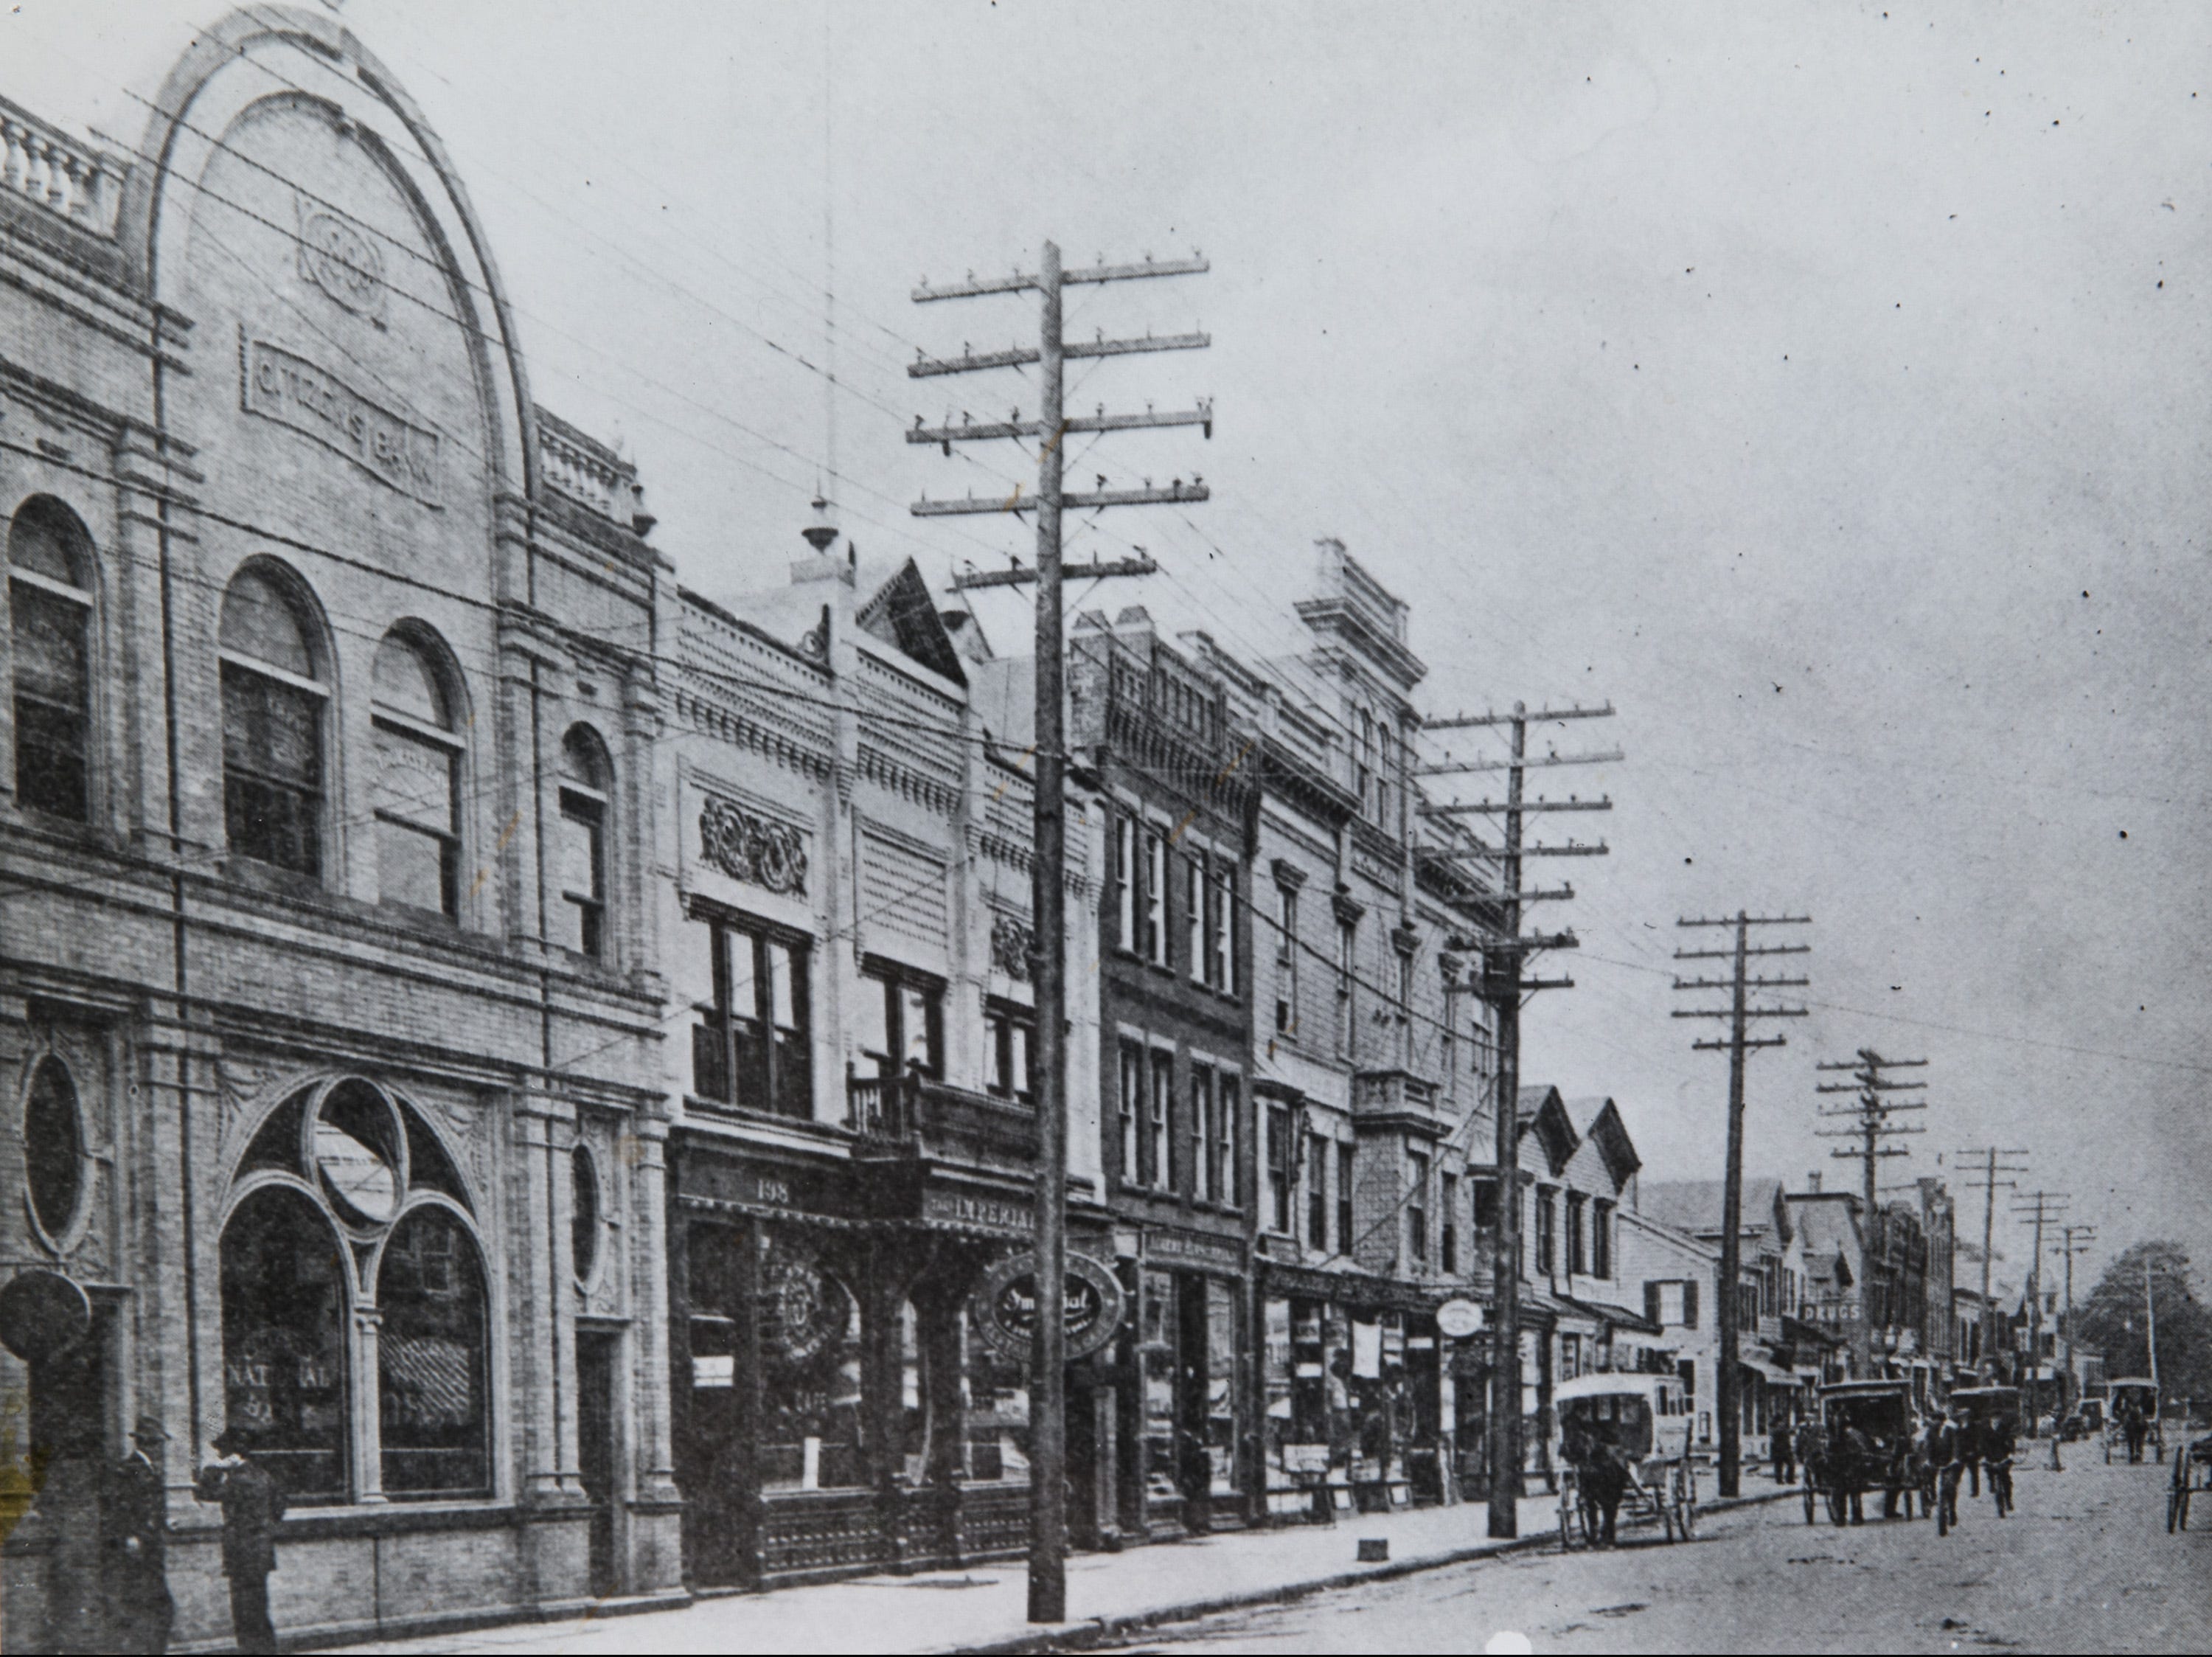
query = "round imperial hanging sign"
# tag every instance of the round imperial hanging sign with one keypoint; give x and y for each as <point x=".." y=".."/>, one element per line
<point x="1006" y="1305"/>
<point x="1456" y="1319"/>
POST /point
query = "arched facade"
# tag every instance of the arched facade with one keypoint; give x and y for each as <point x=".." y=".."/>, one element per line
<point x="309" y="712"/>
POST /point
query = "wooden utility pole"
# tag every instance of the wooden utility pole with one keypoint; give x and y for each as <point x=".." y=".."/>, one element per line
<point x="1738" y="1046"/>
<point x="1990" y="1185"/>
<point x="2078" y="1238"/>
<point x="1870" y="1125"/>
<point x="1504" y="985"/>
<point x="2039" y="1208"/>
<point x="1048" y="1575"/>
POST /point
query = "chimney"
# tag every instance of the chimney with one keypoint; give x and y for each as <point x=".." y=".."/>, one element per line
<point x="1812" y="1182"/>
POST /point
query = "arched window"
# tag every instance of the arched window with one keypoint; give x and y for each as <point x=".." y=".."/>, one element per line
<point x="49" y="602"/>
<point x="273" y="701"/>
<point x="53" y="1150"/>
<point x="432" y="1359"/>
<point x="586" y="781"/>
<point x="283" y="1347"/>
<point x="417" y="759"/>
<point x="350" y="1162"/>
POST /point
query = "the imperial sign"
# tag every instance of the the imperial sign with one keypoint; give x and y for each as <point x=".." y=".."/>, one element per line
<point x="1006" y="1305"/>
<point x="286" y="388"/>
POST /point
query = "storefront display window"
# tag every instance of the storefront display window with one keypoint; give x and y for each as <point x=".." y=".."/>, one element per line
<point x="995" y="1400"/>
<point x="1157" y="1355"/>
<point x="810" y="1344"/>
<point x="1221" y="1389"/>
<point x="283" y="1343"/>
<point x="432" y="1359"/>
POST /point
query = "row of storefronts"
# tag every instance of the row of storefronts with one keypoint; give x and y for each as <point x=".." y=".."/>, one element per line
<point x="542" y="1056"/>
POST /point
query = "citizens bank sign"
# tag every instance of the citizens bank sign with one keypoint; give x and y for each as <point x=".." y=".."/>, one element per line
<point x="284" y="386"/>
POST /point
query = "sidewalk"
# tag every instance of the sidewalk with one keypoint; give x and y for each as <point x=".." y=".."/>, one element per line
<point x="983" y="1608"/>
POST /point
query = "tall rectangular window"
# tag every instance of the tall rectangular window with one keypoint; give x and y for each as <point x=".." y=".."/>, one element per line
<point x="1008" y="1032"/>
<point x="1279" y="1168"/>
<point x="1601" y="1239"/>
<point x="1577" y="1250"/>
<point x="1133" y="1108"/>
<point x="1317" y="1154"/>
<point x="1159" y="1146"/>
<point x="901" y="1020"/>
<point x="1348" y="960"/>
<point x="1405" y="1008"/>
<point x="1417" y="1205"/>
<point x="1547" y="1220"/>
<point x="584" y="868"/>
<point x="1343" y="1198"/>
<point x="1156" y="898"/>
<point x="1222" y="918"/>
<point x="1287" y="960"/>
<point x="52" y="626"/>
<point x="1227" y="1107"/>
<point x="751" y="1044"/>
<point x="1125" y="882"/>
<point x="1196" y="961"/>
<point x="1448" y="1206"/>
<point x="1485" y="1206"/>
<point x="1205" y="1166"/>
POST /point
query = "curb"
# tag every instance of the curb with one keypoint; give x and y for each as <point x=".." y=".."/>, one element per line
<point x="1079" y="1637"/>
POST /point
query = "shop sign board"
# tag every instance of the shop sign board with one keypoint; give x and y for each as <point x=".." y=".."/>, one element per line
<point x="1457" y="1319"/>
<point x="1006" y="1305"/>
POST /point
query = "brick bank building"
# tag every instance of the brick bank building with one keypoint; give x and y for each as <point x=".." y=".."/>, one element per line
<point x="329" y="992"/>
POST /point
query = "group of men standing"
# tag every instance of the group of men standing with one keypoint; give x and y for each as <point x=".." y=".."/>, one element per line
<point x="126" y="1604"/>
<point x="1955" y="1445"/>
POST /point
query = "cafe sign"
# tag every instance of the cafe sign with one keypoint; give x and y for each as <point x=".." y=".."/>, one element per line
<point x="1004" y="1305"/>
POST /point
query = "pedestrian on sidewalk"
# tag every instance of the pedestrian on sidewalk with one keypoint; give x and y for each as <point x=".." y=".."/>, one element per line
<point x="252" y="1502"/>
<point x="134" y="1522"/>
<point x="1780" y="1447"/>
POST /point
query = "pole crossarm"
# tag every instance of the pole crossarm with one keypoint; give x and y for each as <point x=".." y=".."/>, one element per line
<point x="1020" y="356"/>
<point x="1747" y="1013"/>
<point x="1499" y="854"/>
<point x="1749" y="983"/>
<point x="969" y="431"/>
<point x="1748" y="1042"/>
<point x="1176" y="493"/>
<point x="1533" y="941"/>
<point x="1457" y="768"/>
<point x="1749" y="920"/>
<point x="1499" y="808"/>
<point x="1527" y="895"/>
<point x="1547" y="983"/>
<point x="1028" y="282"/>
<point x="1529" y="716"/>
<point x="1730" y="954"/>
<point x="1023" y="576"/>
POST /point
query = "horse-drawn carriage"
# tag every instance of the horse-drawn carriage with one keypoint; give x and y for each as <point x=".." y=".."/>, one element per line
<point x="2132" y="1402"/>
<point x="1866" y="1440"/>
<point x="1623" y="1440"/>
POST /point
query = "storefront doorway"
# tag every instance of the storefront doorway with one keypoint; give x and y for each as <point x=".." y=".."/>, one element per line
<point x="595" y="1448"/>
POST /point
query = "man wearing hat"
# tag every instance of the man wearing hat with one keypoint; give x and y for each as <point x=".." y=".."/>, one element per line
<point x="134" y="1522"/>
<point x="252" y="1502"/>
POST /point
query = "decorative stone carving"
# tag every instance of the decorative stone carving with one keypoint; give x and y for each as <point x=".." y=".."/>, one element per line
<point x="752" y="849"/>
<point x="341" y="258"/>
<point x="1011" y="943"/>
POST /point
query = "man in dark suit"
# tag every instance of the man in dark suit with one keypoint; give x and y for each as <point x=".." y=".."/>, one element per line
<point x="136" y="1515"/>
<point x="252" y="1502"/>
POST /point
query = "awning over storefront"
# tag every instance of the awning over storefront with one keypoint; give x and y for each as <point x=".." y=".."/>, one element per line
<point x="1769" y="1372"/>
<point x="1615" y="1317"/>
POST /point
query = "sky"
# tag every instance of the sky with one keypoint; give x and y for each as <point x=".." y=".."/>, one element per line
<point x="1824" y="386"/>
